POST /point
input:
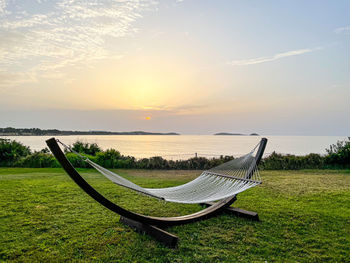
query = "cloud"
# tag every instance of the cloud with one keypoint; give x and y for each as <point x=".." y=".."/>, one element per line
<point x="277" y="56"/>
<point x="342" y="30"/>
<point x="47" y="37"/>
<point x="11" y="79"/>
<point x="2" y="6"/>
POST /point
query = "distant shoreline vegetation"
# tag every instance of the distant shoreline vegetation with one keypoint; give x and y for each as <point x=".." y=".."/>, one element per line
<point x="9" y="131"/>
<point x="236" y="134"/>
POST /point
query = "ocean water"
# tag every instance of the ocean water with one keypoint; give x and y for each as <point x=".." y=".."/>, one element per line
<point x="185" y="146"/>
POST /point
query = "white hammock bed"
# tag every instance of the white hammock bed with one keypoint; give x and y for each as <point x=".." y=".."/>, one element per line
<point x="217" y="183"/>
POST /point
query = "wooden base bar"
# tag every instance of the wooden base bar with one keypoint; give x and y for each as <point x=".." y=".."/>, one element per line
<point x="243" y="213"/>
<point x="237" y="212"/>
<point x="161" y="235"/>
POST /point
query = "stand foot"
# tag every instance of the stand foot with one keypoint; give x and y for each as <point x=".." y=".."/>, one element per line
<point x="161" y="235"/>
<point x="237" y="212"/>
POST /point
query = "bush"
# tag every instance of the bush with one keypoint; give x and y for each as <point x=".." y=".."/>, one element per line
<point x="339" y="154"/>
<point x="87" y="148"/>
<point x="109" y="158"/>
<point x="38" y="160"/>
<point x="314" y="161"/>
<point x="127" y="162"/>
<point x="197" y="163"/>
<point x="276" y="161"/>
<point x="78" y="162"/>
<point x="157" y="162"/>
<point x="11" y="152"/>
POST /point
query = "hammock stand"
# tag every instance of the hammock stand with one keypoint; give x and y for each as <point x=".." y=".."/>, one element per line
<point x="153" y="225"/>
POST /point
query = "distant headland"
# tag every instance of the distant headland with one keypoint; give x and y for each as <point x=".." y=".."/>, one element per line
<point x="236" y="134"/>
<point x="54" y="132"/>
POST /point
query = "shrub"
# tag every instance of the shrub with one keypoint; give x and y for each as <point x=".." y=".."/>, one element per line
<point x="45" y="150"/>
<point x="11" y="151"/>
<point x="87" y="148"/>
<point x="109" y="158"/>
<point x="38" y="160"/>
<point x="339" y="154"/>
<point x="143" y="163"/>
<point x="276" y="161"/>
<point x="313" y="161"/>
<point x="158" y="162"/>
<point x="127" y="162"/>
<point x="198" y="163"/>
<point x="78" y="162"/>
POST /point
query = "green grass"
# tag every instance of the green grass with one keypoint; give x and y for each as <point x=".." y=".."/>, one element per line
<point x="44" y="216"/>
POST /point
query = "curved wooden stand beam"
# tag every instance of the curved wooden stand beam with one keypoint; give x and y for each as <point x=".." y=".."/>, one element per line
<point x="135" y="217"/>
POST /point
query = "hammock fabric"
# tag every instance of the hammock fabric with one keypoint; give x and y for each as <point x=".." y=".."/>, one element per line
<point x="223" y="181"/>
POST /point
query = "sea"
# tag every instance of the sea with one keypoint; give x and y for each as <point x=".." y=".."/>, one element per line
<point x="185" y="146"/>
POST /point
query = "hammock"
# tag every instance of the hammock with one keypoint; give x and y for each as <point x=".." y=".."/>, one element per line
<point x="220" y="182"/>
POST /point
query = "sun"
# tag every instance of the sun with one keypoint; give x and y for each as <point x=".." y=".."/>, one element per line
<point x="148" y="118"/>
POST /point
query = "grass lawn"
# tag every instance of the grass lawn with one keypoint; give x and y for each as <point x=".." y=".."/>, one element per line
<point x="45" y="216"/>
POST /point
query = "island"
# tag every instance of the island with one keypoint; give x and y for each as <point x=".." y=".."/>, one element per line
<point x="227" y="133"/>
<point x="236" y="134"/>
<point x="9" y="131"/>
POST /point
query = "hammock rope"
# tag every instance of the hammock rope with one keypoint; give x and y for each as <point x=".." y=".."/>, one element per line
<point x="222" y="181"/>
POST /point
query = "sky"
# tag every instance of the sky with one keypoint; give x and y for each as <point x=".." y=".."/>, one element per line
<point x="190" y="66"/>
